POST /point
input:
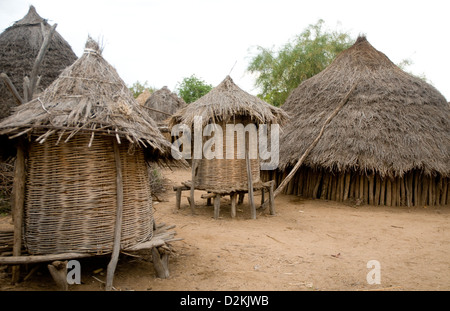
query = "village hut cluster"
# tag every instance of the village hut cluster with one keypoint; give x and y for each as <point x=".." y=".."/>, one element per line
<point x="361" y="130"/>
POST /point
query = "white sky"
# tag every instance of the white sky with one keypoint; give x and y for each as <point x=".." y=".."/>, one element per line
<point x="163" y="41"/>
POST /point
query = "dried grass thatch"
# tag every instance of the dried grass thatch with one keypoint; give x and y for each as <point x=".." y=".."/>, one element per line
<point x="393" y="122"/>
<point x="90" y="98"/>
<point x="226" y="101"/>
<point x="19" y="46"/>
<point x="165" y="101"/>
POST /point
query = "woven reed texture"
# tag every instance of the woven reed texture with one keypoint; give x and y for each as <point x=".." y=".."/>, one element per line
<point x="70" y="203"/>
<point x="226" y="173"/>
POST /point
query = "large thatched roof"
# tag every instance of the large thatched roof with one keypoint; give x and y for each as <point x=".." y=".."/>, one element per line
<point x="90" y="98"/>
<point x="19" y="46"/>
<point x="163" y="100"/>
<point x="393" y="122"/>
<point x="226" y="101"/>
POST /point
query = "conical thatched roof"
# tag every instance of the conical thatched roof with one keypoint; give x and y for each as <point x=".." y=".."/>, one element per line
<point x="19" y="46"/>
<point x="393" y="122"/>
<point x="90" y="98"/>
<point x="163" y="100"/>
<point x="226" y="101"/>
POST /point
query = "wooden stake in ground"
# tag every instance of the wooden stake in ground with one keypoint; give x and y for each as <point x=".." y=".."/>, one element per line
<point x="311" y="147"/>
<point x="118" y="226"/>
<point x="18" y="206"/>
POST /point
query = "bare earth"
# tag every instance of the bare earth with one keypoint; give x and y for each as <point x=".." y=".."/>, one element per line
<point x="309" y="245"/>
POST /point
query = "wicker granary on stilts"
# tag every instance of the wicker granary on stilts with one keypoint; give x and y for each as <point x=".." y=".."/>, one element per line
<point x="19" y="47"/>
<point x="161" y="105"/>
<point x="225" y="105"/>
<point x="388" y="145"/>
<point x="85" y="188"/>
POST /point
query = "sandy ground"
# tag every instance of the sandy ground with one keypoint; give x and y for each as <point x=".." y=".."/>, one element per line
<point x="308" y="245"/>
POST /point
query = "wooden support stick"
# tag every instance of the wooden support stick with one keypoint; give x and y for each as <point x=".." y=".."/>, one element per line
<point x="58" y="271"/>
<point x="313" y="144"/>
<point x="216" y="206"/>
<point x="192" y="201"/>
<point x="271" y="198"/>
<point x="233" y="204"/>
<point x="371" y="179"/>
<point x="249" y="180"/>
<point x="12" y="88"/>
<point x="160" y="263"/>
<point x="18" y="204"/>
<point x="347" y="185"/>
<point x="118" y="225"/>
<point x="37" y="63"/>
<point x="178" y="198"/>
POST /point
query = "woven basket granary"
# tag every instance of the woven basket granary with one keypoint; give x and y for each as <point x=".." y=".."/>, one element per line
<point x="227" y="173"/>
<point x="71" y="197"/>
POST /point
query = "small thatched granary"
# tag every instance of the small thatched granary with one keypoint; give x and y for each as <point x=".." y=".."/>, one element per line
<point x="227" y="104"/>
<point x="87" y="142"/>
<point x="19" y="47"/>
<point x="388" y="145"/>
<point x="163" y="103"/>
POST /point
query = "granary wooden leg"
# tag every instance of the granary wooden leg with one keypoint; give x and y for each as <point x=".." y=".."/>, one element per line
<point x="191" y="201"/>
<point x="271" y="198"/>
<point x="18" y="205"/>
<point x="208" y="200"/>
<point x="233" y="204"/>
<point x="262" y="195"/>
<point x="160" y="263"/>
<point x="58" y="271"/>
<point x="178" y="198"/>
<point x="250" y="182"/>
<point x="241" y="197"/>
<point x="216" y="206"/>
<point x="118" y="226"/>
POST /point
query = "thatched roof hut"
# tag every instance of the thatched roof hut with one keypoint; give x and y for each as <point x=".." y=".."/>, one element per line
<point x="392" y="135"/>
<point x="19" y="47"/>
<point x="82" y="135"/>
<point x="165" y="101"/>
<point x="227" y="104"/>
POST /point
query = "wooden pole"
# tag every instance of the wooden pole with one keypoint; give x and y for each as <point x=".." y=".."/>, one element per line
<point x="216" y="206"/>
<point x="118" y="226"/>
<point x="249" y="179"/>
<point x="313" y="144"/>
<point x="233" y="204"/>
<point x="18" y="204"/>
<point x="191" y="200"/>
<point x="12" y="88"/>
<point x="37" y="63"/>
<point x="371" y="180"/>
<point x="347" y="185"/>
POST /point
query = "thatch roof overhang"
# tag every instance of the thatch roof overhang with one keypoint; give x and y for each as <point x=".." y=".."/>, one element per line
<point x="392" y="123"/>
<point x="89" y="98"/>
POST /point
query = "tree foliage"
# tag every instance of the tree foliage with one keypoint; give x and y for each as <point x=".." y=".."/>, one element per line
<point x="137" y="88"/>
<point x="192" y="88"/>
<point x="281" y="71"/>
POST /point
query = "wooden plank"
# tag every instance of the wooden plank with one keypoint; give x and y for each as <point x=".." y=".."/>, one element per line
<point x="272" y="199"/>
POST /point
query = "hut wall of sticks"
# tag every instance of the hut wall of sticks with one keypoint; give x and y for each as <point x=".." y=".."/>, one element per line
<point x="388" y="145"/>
<point x="81" y="180"/>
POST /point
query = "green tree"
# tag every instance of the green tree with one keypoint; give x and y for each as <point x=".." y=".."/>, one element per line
<point x="280" y="71"/>
<point x="192" y="88"/>
<point x="137" y="88"/>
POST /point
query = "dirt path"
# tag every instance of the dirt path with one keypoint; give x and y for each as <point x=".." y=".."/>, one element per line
<point x="308" y="245"/>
